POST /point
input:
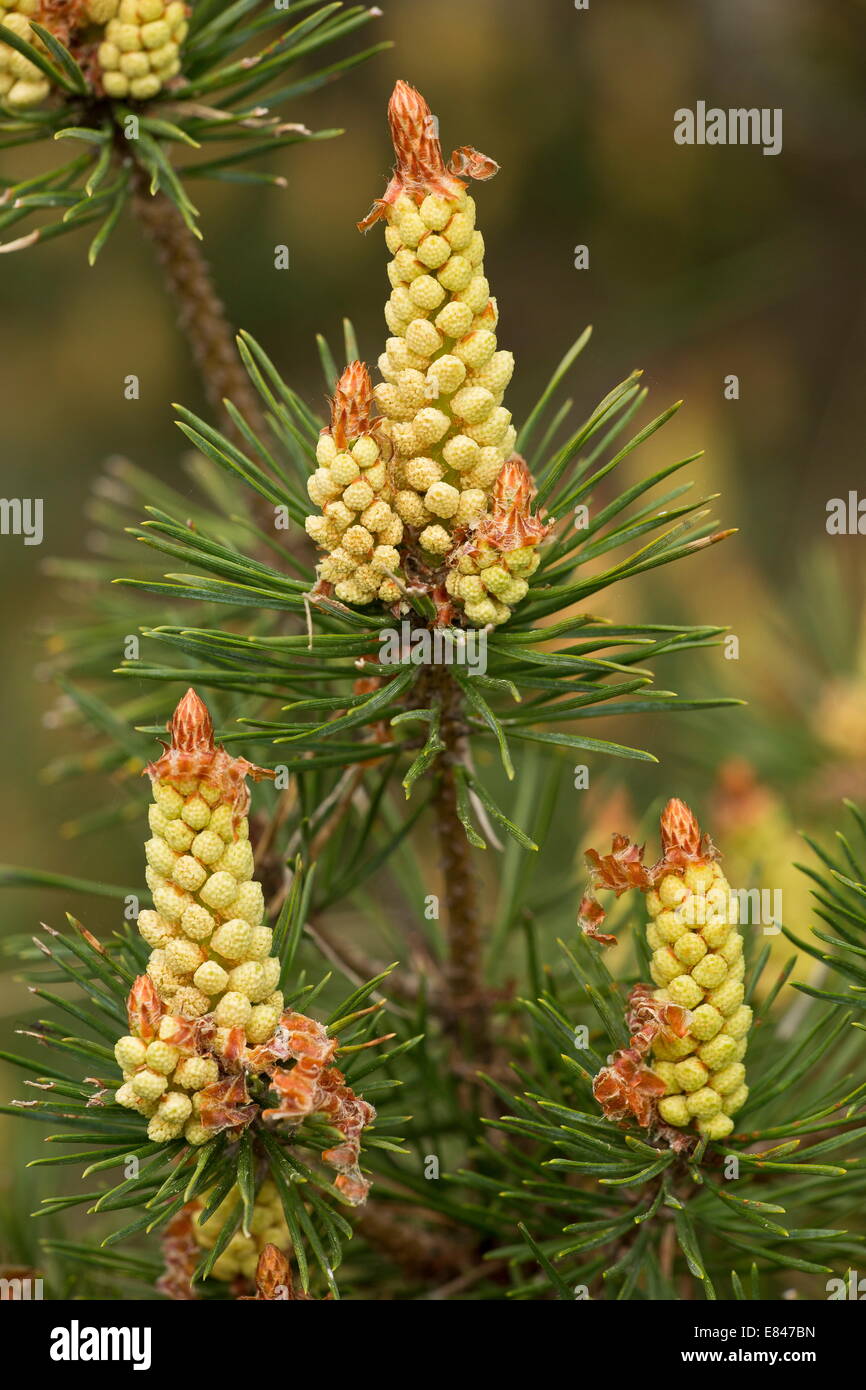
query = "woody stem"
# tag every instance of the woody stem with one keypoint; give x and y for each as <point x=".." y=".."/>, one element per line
<point x="201" y="315"/>
<point x="432" y="1254"/>
<point x="467" y="998"/>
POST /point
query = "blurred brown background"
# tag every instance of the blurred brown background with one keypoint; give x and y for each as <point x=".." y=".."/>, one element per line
<point x="703" y="262"/>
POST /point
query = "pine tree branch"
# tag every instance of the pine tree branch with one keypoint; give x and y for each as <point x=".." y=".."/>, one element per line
<point x="358" y="965"/>
<point x="201" y="314"/>
<point x="421" y="1253"/>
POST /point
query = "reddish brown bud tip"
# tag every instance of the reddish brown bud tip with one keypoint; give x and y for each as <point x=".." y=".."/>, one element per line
<point x="273" y="1275"/>
<point x="352" y="405"/>
<point x="144" y="1009"/>
<point x="511" y="525"/>
<point x="420" y="167"/>
<point x="193" y="753"/>
<point x="415" y="136"/>
<point x="514" y="489"/>
<point x="680" y="829"/>
<point x="191" y="726"/>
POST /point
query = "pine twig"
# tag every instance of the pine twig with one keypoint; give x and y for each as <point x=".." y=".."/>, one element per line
<point x="420" y="1252"/>
<point x="468" y="1001"/>
<point x="201" y="314"/>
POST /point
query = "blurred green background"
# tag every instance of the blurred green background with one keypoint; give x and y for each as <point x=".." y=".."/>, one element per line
<point x="703" y="262"/>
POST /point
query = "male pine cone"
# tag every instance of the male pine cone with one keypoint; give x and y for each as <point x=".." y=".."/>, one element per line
<point x="207" y="1018"/>
<point x="445" y="377"/>
<point x="210" y="953"/>
<point x="694" y="1025"/>
<point x="697" y="963"/>
<point x="357" y="527"/>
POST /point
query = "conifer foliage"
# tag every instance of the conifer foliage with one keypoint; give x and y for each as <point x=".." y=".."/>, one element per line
<point x="135" y="81"/>
<point x="389" y="605"/>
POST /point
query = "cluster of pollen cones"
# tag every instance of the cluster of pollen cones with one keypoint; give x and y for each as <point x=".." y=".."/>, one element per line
<point x="418" y="484"/>
<point x="212" y="1046"/>
<point x="682" y="1075"/>
<point x="125" y="48"/>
